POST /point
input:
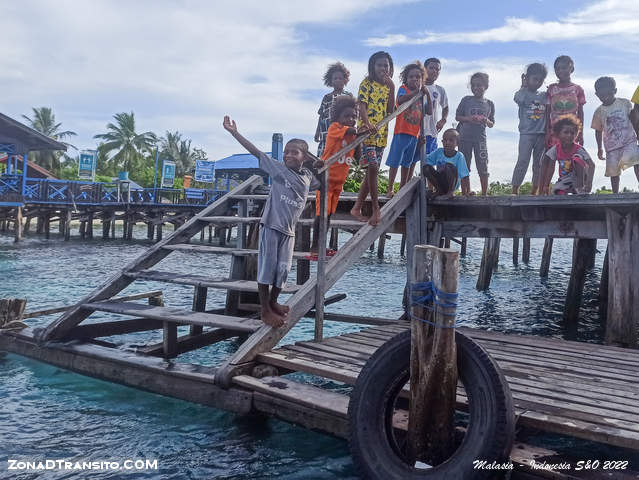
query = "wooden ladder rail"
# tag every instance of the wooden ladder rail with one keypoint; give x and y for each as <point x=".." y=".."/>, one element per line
<point x="304" y="299"/>
<point x="118" y="282"/>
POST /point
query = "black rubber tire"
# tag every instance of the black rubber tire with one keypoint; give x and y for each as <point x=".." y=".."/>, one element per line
<point x="491" y="424"/>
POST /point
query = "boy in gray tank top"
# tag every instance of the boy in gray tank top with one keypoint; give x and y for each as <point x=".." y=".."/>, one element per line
<point x="290" y="184"/>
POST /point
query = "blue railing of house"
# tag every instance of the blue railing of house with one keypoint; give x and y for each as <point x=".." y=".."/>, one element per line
<point x="73" y="192"/>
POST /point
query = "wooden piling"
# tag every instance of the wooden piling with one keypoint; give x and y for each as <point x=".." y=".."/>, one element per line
<point x="40" y="224"/>
<point x="545" y="257"/>
<point x="18" y="225"/>
<point x="158" y="232"/>
<point x="433" y="362"/>
<point x="525" y="251"/>
<point x="106" y="225"/>
<point x="402" y="246"/>
<point x="603" y="287"/>
<point x="582" y="252"/>
<point x="623" y="285"/>
<point x="149" y="230"/>
<point x="516" y="251"/>
<point x="129" y="228"/>
<point x="47" y="225"/>
<point x="89" y="227"/>
<point x="67" y="224"/>
<point x="333" y="243"/>
<point x="321" y="259"/>
<point x="381" y="244"/>
<point x="199" y="305"/>
<point x="489" y="259"/>
<point x="464" y="244"/>
<point x="12" y="312"/>
<point x="27" y="225"/>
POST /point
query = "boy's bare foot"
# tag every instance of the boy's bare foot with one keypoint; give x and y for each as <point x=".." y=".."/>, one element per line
<point x="270" y="318"/>
<point x="357" y="213"/>
<point x="375" y="217"/>
<point x="281" y="310"/>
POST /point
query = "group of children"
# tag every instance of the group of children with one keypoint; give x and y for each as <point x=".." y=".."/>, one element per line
<point x="550" y="127"/>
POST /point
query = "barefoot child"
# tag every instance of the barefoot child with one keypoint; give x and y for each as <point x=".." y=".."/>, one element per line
<point x="376" y="98"/>
<point x="612" y="123"/>
<point x="433" y="123"/>
<point x="337" y="77"/>
<point x="341" y="132"/>
<point x="564" y="98"/>
<point x="532" y="125"/>
<point x="446" y="168"/>
<point x="403" y="150"/>
<point x="576" y="168"/>
<point x="290" y="186"/>
<point x="474" y="114"/>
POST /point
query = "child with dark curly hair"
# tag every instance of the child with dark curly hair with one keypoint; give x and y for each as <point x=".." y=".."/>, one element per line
<point x="376" y="100"/>
<point x="474" y="114"/>
<point x="337" y="77"/>
<point x="404" y="149"/>
<point x="576" y="168"/>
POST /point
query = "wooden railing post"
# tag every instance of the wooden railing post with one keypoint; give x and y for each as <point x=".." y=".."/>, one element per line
<point x="321" y="259"/>
<point x="433" y="362"/>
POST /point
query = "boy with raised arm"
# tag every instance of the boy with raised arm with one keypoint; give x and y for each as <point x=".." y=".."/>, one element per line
<point x="291" y="182"/>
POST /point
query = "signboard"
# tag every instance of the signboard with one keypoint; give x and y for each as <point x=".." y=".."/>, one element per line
<point x="168" y="173"/>
<point x="88" y="161"/>
<point x="204" y="171"/>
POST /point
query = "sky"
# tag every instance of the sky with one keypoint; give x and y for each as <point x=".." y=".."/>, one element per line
<point x="183" y="65"/>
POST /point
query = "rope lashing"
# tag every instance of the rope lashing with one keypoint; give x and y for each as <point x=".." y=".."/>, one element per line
<point x="430" y="300"/>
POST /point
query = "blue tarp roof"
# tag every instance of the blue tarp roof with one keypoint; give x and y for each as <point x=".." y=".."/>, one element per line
<point x="239" y="161"/>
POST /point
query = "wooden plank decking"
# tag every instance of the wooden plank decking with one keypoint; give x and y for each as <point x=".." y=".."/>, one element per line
<point x="582" y="390"/>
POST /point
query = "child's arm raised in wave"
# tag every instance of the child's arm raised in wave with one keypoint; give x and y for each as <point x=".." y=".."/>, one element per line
<point x="231" y="127"/>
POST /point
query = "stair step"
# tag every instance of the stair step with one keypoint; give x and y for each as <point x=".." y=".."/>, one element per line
<point x="177" y="315"/>
<point x="335" y="223"/>
<point x="202" y="281"/>
<point x="188" y="247"/>
<point x="230" y="220"/>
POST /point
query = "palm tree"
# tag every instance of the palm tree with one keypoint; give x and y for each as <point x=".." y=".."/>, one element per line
<point x="44" y="122"/>
<point x="129" y="145"/>
<point x="173" y="147"/>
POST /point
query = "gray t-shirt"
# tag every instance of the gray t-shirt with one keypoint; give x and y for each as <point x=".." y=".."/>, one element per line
<point x="471" y="105"/>
<point x="532" y="111"/>
<point x="440" y="101"/>
<point x="288" y="194"/>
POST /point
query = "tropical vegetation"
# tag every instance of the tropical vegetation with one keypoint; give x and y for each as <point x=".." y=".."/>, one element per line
<point x="43" y="120"/>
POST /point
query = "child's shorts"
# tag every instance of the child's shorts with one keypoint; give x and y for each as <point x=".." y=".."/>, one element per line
<point x="480" y="149"/>
<point x="565" y="184"/>
<point x="621" y="158"/>
<point x="274" y="257"/>
<point x="431" y="144"/>
<point x="403" y="151"/>
<point x="371" y="155"/>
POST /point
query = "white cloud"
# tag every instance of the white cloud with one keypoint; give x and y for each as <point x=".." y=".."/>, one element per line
<point x="601" y="19"/>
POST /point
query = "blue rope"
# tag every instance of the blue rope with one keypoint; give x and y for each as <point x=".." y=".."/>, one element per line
<point x="432" y="299"/>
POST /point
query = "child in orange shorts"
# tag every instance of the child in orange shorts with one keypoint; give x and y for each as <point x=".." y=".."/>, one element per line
<point x="341" y="132"/>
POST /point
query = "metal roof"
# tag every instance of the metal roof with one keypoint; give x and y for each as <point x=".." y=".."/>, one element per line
<point x="25" y="139"/>
<point x="239" y="161"/>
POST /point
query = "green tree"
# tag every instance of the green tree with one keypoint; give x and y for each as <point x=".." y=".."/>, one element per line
<point x="174" y="147"/>
<point x="44" y="122"/>
<point x="129" y="145"/>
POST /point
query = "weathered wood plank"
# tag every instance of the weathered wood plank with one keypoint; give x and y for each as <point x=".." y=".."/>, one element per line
<point x="481" y="227"/>
<point x="190" y="248"/>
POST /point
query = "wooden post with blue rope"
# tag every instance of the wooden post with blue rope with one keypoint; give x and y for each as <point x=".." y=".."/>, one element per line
<point x="433" y="363"/>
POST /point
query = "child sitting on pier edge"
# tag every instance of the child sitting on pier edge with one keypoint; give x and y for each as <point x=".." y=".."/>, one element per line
<point x="376" y="99"/>
<point x="337" y="77"/>
<point x="446" y="168"/>
<point x="341" y="132"/>
<point x="532" y="125"/>
<point x="291" y="182"/>
<point x="404" y="148"/>
<point x="474" y="114"/>
<point x="576" y="168"/>
<point x="611" y="122"/>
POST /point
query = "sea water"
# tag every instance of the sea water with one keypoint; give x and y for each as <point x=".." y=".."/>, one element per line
<point x="50" y="413"/>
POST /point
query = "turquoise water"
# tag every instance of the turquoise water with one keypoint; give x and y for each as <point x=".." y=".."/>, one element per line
<point x="49" y="413"/>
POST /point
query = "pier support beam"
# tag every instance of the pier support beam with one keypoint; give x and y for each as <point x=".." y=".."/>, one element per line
<point x="18" y="225"/>
<point x="88" y="232"/>
<point x="67" y="224"/>
<point x="545" y="257"/>
<point x="158" y="232"/>
<point x="516" y="251"/>
<point x="525" y="251"/>
<point x="489" y="260"/>
<point x="106" y="225"/>
<point x="582" y="253"/>
<point x="623" y="272"/>
<point x="464" y="244"/>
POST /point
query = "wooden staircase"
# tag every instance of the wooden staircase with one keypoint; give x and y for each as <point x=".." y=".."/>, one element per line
<point x="220" y="325"/>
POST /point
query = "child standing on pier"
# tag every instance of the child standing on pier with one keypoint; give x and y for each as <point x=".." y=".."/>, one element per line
<point x="404" y="149"/>
<point x="576" y="168"/>
<point x="474" y="114"/>
<point x="337" y="77"/>
<point x="532" y="125"/>
<point x="435" y="121"/>
<point x="564" y="98"/>
<point x="446" y="168"/>
<point x="291" y="182"/>
<point x="341" y="132"/>
<point x="612" y="124"/>
<point x="377" y="99"/>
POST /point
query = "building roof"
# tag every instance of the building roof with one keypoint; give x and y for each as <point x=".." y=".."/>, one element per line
<point x="25" y="139"/>
<point x="33" y="170"/>
<point x="239" y="161"/>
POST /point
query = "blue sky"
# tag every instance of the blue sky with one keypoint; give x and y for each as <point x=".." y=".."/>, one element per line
<point x="183" y="65"/>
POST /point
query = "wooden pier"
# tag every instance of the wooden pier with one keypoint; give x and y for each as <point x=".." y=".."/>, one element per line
<point x="579" y="390"/>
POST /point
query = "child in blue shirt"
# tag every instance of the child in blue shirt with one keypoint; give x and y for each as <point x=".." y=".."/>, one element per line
<point x="446" y="168"/>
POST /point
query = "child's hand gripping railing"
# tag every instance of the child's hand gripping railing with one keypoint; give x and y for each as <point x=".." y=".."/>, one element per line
<point x="323" y="224"/>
